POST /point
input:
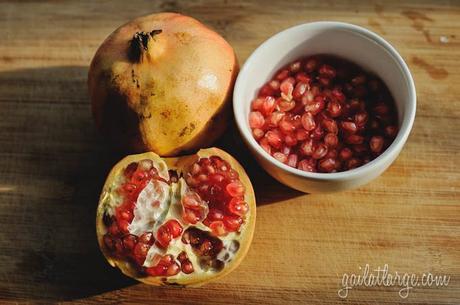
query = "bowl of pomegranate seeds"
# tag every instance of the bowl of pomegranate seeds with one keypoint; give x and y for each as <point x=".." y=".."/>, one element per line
<point x="325" y="106"/>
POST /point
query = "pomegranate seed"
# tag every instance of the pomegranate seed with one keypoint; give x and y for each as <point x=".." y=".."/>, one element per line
<point x="327" y="71"/>
<point x="140" y="251"/>
<point x="285" y="105"/>
<point x="130" y="169"/>
<point x="381" y="109"/>
<point x="275" y="118"/>
<point x="235" y="189"/>
<point x="359" y="80"/>
<point x="306" y="166"/>
<point x="316" y="106"/>
<point x="338" y="95"/>
<point x="266" y="90"/>
<point x="327" y="165"/>
<point x="173" y="269"/>
<point x="360" y="91"/>
<point x="264" y="144"/>
<point x="360" y="149"/>
<point x="331" y="140"/>
<point x="257" y="103"/>
<point x="129" y="242"/>
<point x="118" y="246"/>
<point x="286" y="87"/>
<point x="286" y="126"/>
<point x="353" y="163"/>
<point x="187" y="267"/>
<point x="301" y="134"/>
<point x="109" y="242"/>
<point x="391" y="131"/>
<point x="280" y="157"/>
<point x="273" y="138"/>
<point x="307" y="148"/>
<point x="308" y="121"/>
<point x="354" y="139"/>
<point x="256" y="120"/>
<point x="274" y="84"/>
<point x="376" y="144"/>
<point x="348" y="126"/>
<point x="290" y="140"/>
<point x="292" y="160"/>
<point x="299" y="90"/>
<point x="331" y="153"/>
<point x="238" y="207"/>
<point x="215" y="214"/>
<point x="123" y="226"/>
<point x="282" y="75"/>
<point x="317" y="134"/>
<point x="345" y="153"/>
<point x="311" y="65"/>
<point x="295" y="66"/>
<point x="334" y="108"/>
<point x="218" y="228"/>
<point x="216" y="178"/>
<point x="268" y="105"/>
<point x="164" y="236"/>
<point x="330" y="125"/>
<point x="320" y="151"/>
<point x="232" y="223"/>
<point x="361" y="118"/>
<point x="174" y="227"/>
<point x="302" y="77"/>
<point x="258" y="133"/>
<point x="146" y="238"/>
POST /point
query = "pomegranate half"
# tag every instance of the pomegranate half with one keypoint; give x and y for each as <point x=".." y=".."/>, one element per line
<point x="180" y="221"/>
<point x="162" y="83"/>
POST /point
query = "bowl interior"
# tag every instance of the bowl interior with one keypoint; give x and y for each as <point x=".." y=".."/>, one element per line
<point x="351" y="42"/>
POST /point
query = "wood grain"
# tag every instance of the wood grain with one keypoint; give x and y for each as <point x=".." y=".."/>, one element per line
<point x="53" y="163"/>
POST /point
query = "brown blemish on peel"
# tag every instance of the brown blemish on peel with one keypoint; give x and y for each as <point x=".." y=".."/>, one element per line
<point x="374" y="23"/>
<point x="165" y="114"/>
<point x="187" y="130"/>
<point x="433" y="72"/>
<point x="418" y="19"/>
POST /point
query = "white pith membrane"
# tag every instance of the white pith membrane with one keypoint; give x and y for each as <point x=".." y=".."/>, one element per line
<point x="159" y="202"/>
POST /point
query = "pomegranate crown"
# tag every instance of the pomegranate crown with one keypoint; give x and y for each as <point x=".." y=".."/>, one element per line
<point x="139" y="43"/>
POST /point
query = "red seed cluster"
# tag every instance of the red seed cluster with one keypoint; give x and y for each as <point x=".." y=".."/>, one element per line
<point x="218" y="184"/>
<point x="324" y="114"/>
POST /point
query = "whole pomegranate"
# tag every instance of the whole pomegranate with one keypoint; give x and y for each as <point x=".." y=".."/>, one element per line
<point x="181" y="221"/>
<point x="162" y="83"/>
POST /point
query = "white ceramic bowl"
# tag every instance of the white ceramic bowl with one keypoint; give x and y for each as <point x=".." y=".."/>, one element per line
<point x="348" y="41"/>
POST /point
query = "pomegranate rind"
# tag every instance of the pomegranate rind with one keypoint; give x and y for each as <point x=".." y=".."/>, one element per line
<point x="180" y="165"/>
<point x="175" y="100"/>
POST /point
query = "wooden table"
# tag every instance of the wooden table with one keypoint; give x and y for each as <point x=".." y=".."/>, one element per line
<point x="53" y="163"/>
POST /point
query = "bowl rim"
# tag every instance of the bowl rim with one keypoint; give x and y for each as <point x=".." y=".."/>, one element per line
<point x="385" y="158"/>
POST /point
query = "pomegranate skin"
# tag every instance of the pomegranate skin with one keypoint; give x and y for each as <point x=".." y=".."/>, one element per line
<point x="162" y="83"/>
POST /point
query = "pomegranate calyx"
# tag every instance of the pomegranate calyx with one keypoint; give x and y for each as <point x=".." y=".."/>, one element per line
<point x="140" y="44"/>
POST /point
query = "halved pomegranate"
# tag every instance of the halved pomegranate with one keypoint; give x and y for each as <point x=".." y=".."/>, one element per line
<point x="178" y="221"/>
<point x="162" y="83"/>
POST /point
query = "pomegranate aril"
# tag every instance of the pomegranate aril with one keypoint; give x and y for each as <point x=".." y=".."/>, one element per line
<point x="327" y="165"/>
<point x="316" y="106"/>
<point x="265" y="145"/>
<point x="216" y="178"/>
<point x="346" y="153"/>
<point x="381" y="109"/>
<point x="306" y="166"/>
<point x="320" y="151"/>
<point x="349" y="127"/>
<point x="129" y="242"/>
<point x="334" y="108"/>
<point x="354" y="139"/>
<point x="235" y="188"/>
<point x="164" y="236"/>
<point x="256" y="120"/>
<point x="282" y="75"/>
<point x="361" y="118"/>
<point x="307" y="148"/>
<point x="218" y="228"/>
<point x="146" y="238"/>
<point x="311" y="65"/>
<point x="302" y="77"/>
<point x="331" y="140"/>
<point x="187" y="267"/>
<point x="123" y="226"/>
<point x="317" y="134"/>
<point x="140" y="251"/>
<point x="109" y="242"/>
<point x="353" y="163"/>
<point x="327" y="71"/>
<point x="173" y="269"/>
<point x="258" y="133"/>
<point x="295" y="66"/>
<point x="275" y="118"/>
<point x="299" y="90"/>
<point x="292" y="160"/>
<point x="215" y="214"/>
<point x="338" y="94"/>
<point x="273" y="138"/>
<point x="376" y="144"/>
<point x="286" y="88"/>
<point x="174" y="227"/>
<point x="280" y="157"/>
<point x="232" y="223"/>
<point x="130" y="169"/>
<point x="268" y="105"/>
<point x="308" y="121"/>
<point x="285" y="105"/>
<point x="257" y="103"/>
<point x="301" y="134"/>
<point x="290" y="140"/>
<point x="274" y="84"/>
<point x="359" y="80"/>
<point x="330" y="125"/>
<point x="391" y="131"/>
